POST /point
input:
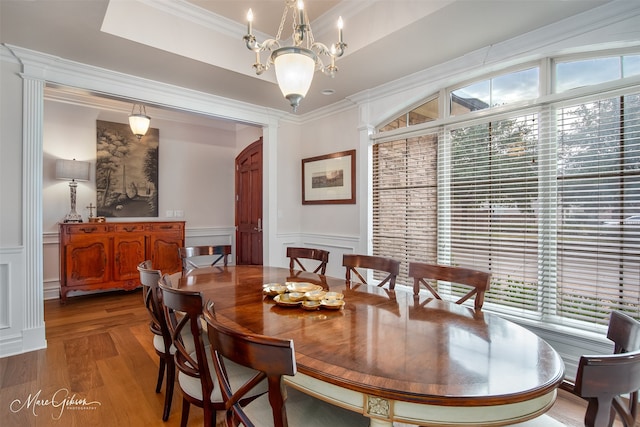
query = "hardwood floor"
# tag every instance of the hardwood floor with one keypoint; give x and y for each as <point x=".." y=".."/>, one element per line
<point x="100" y="369"/>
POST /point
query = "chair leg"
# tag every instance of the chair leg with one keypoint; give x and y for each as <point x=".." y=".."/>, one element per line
<point x="171" y="380"/>
<point x="209" y="415"/>
<point x="160" y="374"/>
<point x="185" y="413"/>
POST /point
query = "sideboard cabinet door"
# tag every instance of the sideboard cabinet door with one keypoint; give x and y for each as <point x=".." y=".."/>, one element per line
<point x="129" y="250"/>
<point x="166" y="238"/>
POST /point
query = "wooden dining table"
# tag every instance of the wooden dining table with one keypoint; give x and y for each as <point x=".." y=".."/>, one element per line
<point x="392" y="356"/>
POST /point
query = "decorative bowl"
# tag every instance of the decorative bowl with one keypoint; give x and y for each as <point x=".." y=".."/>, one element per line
<point x="302" y="287"/>
<point x="335" y="304"/>
<point x="314" y="295"/>
<point x="331" y="296"/>
<point x="273" y="289"/>
<point x="296" y="296"/>
<point x="284" y="301"/>
<point x="311" y="305"/>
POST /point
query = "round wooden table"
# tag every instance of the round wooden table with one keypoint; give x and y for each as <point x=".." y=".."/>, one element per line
<point x="391" y="356"/>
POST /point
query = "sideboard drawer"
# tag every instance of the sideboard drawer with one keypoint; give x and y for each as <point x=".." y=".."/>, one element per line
<point x="87" y="229"/>
<point x="128" y="228"/>
<point x="166" y="226"/>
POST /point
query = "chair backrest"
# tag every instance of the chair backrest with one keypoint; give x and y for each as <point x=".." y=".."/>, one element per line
<point x="478" y="280"/>
<point x="184" y="327"/>
<point x="602" y="379"/>
<point x="189" y="252"/>
<point x="624" y="331"/>
<point x="296" y="254"/>
<point x="270" y="357"/>
<point x="153" y="301"/>
<point x="378" y="263"/>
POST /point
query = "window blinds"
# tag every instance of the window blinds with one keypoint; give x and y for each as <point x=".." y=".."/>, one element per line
<point x="598" y="220"/>
<point x="404" y="195"/>
<point x="547" y="200"/>
<point x="492" y="202"/>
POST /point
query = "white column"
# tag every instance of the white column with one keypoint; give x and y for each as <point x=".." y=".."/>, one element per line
<point x="32" y="122"/>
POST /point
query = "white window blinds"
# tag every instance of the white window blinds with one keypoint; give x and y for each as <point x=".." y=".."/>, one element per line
<point x="598" y="209"/>
<point x="492" y="201"/>
<point x="547" y="200"/>
<point x="404" y="201"/>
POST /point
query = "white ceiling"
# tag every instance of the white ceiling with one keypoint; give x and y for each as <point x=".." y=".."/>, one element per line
<point x="198" y="43"/>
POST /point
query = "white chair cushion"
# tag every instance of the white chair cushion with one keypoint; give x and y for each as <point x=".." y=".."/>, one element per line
<point x="158" y="342"/>
<point x="541" y="421"/>
<point x="305" y="410"/>
<point x="238" y="375"/>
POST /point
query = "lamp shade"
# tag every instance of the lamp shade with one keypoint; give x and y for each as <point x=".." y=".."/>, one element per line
<point x="72" y="170"/>
<point x="139" y="122"/>
<point x="294" y="72"/>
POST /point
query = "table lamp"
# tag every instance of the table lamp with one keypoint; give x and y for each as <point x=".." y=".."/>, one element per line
<point x="75" y="171"/>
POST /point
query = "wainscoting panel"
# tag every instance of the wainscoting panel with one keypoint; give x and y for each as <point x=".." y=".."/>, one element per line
<point x="12" y="297"/>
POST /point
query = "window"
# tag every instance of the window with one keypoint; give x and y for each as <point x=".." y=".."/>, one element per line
<point x="545" y="197"/>
<point x="423" y="113"/>
<point x="494" y="92"/>
<point x="592" y="71"/>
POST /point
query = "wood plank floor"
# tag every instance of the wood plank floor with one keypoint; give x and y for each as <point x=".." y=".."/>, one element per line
<point x="101" y="363"/>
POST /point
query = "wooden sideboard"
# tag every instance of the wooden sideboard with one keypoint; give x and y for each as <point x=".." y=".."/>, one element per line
<point x="95" y="256"/>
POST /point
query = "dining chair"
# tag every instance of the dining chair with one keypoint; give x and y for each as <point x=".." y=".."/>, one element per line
<point x="196" y="375"/>
<point x="602" y="380"/>
<point x="377" y="263"/>
<point x="161" y="336"/>
<point x="478" y="280"/>
<point x="188" y="253"/>
<point x="296" y="254"/>
<point x="272" y="359"/>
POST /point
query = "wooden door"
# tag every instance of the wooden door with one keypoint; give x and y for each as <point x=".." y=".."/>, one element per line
<point x="249" y="205"/>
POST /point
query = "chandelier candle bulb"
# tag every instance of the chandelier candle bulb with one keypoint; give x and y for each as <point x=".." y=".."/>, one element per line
<point x="301" y="12"/>
<point x="249" y="21"/>
<point x="340" y="25"/>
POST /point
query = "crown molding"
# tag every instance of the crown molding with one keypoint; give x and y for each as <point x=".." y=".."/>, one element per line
<point x="107" y="83"/>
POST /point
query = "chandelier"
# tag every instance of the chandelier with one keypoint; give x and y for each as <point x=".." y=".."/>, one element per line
<point x="295" y="64"/>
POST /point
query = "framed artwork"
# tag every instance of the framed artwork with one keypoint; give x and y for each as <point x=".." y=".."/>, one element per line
<point x="329" y="179"/>
<point x="126" y="171"/>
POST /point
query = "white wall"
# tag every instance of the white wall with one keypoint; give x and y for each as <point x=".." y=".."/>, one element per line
<point x="10" y="154"/>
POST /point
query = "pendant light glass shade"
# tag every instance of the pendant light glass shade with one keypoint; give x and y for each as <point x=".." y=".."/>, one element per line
<point x="139" y="122"/>
<point x="294" y="72"/>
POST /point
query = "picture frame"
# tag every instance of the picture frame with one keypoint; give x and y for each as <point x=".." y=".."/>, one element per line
<point x="329" y="179"/>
